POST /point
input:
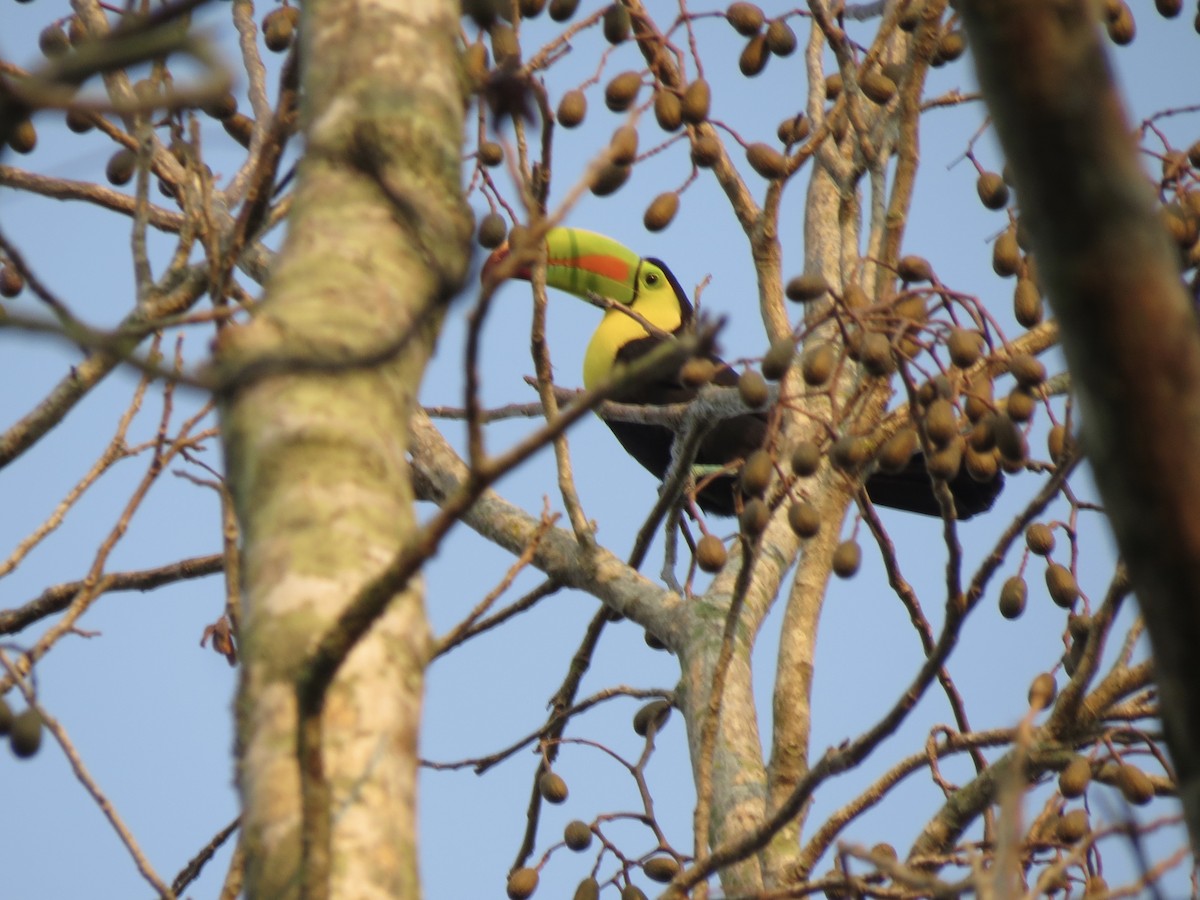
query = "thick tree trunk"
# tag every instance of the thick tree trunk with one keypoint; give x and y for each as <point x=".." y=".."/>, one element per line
<point x="318" y="393"/>
<point x="1128" y="327"/>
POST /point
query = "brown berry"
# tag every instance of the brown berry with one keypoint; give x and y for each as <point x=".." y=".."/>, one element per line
<point x="754" y="56"/>
<point x="817" y="364"/>
<point x="1012" y="597"/>
<point x="706" y="150"/>
<point x="1020" y="405"/>
<point x="806" y="288"/>
<point x="490" y="153"/>
<point x="778" y="359"/>
<point x="1039" y="538"/>
<point x="1027" y="303"/>
<point x="577" y="835"/>
<point x="1075" y="777"/>
<point x="833" y="86"/>
<point x="781" y="40"/>
<point x="492" y="231"/>
<point x="766" y="160"/>
<point x="25" y="735"/>
<point x="610" y="179"/>
<point x="846" y="559"/>
<point x="794" y="129"/>
<point x="756" y="473"/>
<point x="552" y="787"/>
<point x="876" y="354"/>
<point x="804" y="518"/>
<point x="877" y="87"/>
<point x="661" y="868"/>
<point x="964" y="347"/>
<point x="1042" y="691"/>
<point x="1006" y="254"/>
<point x="993" y="192"/>
<point x="279" y="27"/>
<point x="617" y="24"/>
<point x="653" y="714"/>
<point x="756" y="515"/>
<point x="522" y="883"/>
<point x="1072" y="826"/>
<point x="697" y="99"/>
<point x="622" y="91"/>
<point x="1027" y="370"/>
<point x="746" y="18"/>
<point x="661" y="211"/>
<point x="623" y="146"/>
<point x="806" y="458"/>
<point x="914" y="268"/>
<point x="12" y="282"/>
<point x="53" y="40"/>
<point x="562" y="10"/>
<point x="572" y="108"/>
<point x="1132" y="782"/>
<point x="589" y="888"/>
<point x="668" y="110"/>
<point x="697" y="372"/>
<point x="941" y="424"/>
<point x="1061" y="584"/>
<point x="710" y="554"/>
<point x="896" y="452"/>
<point x="23" y="137"/>
<point x="753" y="389"/>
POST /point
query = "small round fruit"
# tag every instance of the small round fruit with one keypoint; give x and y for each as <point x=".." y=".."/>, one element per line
<point x="746" y="18"/>
<point x="1057" y="442"/>
<point x="577" y="835"/>
<point x="794" y="129"/>
<point x="610" y="179"/>
<point x="522" y="883"/>
<point x="617" y="24"/>
<point x="655" y="713"/>
<point x="766" y="160"/>
<point x="876" y="354"/>
<point x="982" y="465"/>
<point x="623" y="146"/>
<point x="661" y="868"/>
<point x="6" y="717"/>
<point x="941" y="424"/>
<point x="632" y="892"/>
<point x="53" y="40"/>
<point x="756" y="515"/>
<point x="846" y="559"/>
<point x="1133" y="783"/>
<point x="668" y="110"/>
<point x="622" y="91"/>
<point x="850" y="453"/>
<point x="490" y="153"/>
<point x="833" y="86"/>
<point x="697" y="372"/>
<point x="964" y="347"/>
<point x="1039" y="538"/>
<point x="1012" y="597"/>
<point x="697" y="100"/>
<point x="781" y="40"/>
<point x="1075" y="777"/>
<point x="896" y="452"/>
<point x="806" y="288"/>
<point x="753" y="389"/>
<point x="806" y="458"/>
<point x="23" y="137"/>
<point x="993" y="192"/>
<point x="951" y="46"/>
<point x="279" y="27"/>
<point x="1072" y="826"/>
<point x="754" y="56"/>
<point x="1062" y="586"/>
<point x="25" y="736"/>
<point x="706" y="150"/>
<point x="818" y="364"/>
<point x="1027" y="370"/>
<point x="492" y="231"/>
<point x="1006" y="254"/>
<point x="913" y="268"/>
<point x="778" y="359"/>
<point x="1028" y="308"/>
<point x="756" y="473"/>
<point x="572" y="108"/>
<point x="804" y="518"/>
<point x="562" y="10"/>
<point x="711" y="554"/>
<point x="589" y="889"/>
<point x="1042" y="691"/>
<point x="12" y="282"/>
<point x="1009" y="441"/>
<point x="877" y="87"/>
<point x="552" y="787"/>
<point x="661" y="211"/>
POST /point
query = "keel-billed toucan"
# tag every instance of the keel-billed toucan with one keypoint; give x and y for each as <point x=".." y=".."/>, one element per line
<point x="582" y="262"/>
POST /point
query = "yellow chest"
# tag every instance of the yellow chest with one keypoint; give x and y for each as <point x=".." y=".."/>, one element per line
<point x="615" y="331"/>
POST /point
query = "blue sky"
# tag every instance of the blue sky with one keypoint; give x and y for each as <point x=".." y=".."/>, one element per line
<point x="149" y="709"/>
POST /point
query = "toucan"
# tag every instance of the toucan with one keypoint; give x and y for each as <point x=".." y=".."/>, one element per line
<point x="581" y="263"/>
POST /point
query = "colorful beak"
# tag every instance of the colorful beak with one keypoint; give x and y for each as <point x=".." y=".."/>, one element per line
<point x="580" y="262"/>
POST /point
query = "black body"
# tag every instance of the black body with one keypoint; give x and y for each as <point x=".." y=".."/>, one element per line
<point x="910" y="489"/>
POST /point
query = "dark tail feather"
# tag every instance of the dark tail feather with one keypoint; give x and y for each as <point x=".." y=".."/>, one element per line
<point x="911" y="490"/>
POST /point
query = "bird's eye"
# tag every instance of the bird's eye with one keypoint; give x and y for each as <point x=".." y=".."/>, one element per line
<point x="651" y="279"/>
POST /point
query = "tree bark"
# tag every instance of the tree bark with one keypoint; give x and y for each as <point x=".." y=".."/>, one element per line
<point x="1129" y="329"/>
<point x="317" y="394"/>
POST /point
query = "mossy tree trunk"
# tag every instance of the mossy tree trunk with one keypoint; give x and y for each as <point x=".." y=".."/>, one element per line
<point x="319" y="389"/>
